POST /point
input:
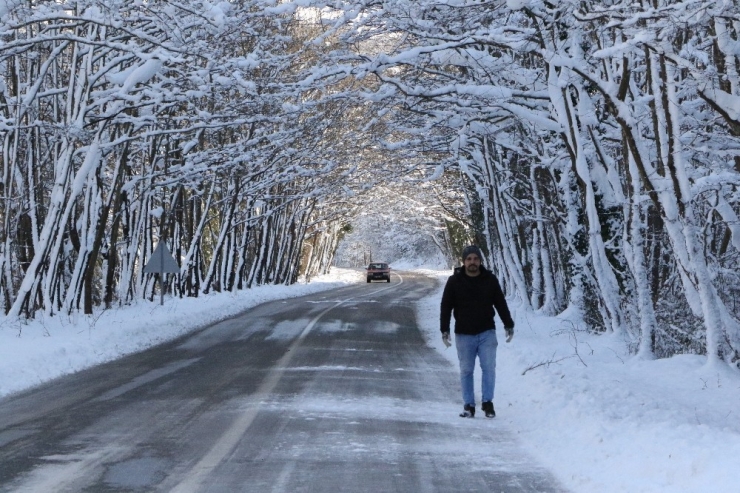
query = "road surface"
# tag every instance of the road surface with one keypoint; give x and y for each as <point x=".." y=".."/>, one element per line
<point x="332" y="392"/>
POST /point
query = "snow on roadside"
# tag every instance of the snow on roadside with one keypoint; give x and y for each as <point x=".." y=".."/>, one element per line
<point x="604" y="421"/>
<point x="35" y="351"/>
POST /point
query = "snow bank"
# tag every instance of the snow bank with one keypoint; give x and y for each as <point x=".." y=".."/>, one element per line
<point x="33" y="352"/>
<point x="602" y="420"/>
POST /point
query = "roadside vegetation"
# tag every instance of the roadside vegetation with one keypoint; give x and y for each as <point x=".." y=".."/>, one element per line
<point x="590" y="148"/>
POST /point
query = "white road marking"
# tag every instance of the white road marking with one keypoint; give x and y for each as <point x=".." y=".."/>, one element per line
<point x="233" y="435"/>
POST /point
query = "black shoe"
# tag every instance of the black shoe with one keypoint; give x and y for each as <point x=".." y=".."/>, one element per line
<point x="487" y="407"/>
<point x="468" y="411"/>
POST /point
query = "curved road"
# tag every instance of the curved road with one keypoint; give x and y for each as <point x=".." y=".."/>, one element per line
<point x="332" y="392"/>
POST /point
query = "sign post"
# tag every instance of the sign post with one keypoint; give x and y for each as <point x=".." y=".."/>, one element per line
<point x="160" y="263"/>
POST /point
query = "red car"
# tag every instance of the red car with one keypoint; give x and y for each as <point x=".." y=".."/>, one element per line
<point x="378" y="271"/>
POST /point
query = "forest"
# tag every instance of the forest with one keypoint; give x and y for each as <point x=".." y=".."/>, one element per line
<point x="592" y="149"/>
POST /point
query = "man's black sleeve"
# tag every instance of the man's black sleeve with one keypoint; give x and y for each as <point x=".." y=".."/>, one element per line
<point x="445" y="311"/>
<point x="499" y="301"/>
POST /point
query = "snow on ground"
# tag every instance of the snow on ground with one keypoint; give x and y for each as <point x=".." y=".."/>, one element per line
<point x="599" y="419"/>
<point x="604" y="421"/>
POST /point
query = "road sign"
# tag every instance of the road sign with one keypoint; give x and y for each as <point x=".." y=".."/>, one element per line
<point x="161" y="263"/>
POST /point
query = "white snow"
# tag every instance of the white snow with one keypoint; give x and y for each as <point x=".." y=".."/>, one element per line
<point x="730" y="103"/>
<point x="6" y="6"/>
<point x="598" y="418"/>
<point x="516" y="4"/>
<point x="141" y="74"/>
<point x="602" y="420"/>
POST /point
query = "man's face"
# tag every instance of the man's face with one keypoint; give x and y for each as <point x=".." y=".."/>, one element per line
<point x="472" y="265"/>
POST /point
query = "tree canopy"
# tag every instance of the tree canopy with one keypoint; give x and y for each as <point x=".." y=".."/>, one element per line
<point x="590" y="148"/>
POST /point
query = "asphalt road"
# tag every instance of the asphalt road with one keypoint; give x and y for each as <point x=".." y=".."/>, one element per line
<point x="332" y="392"/>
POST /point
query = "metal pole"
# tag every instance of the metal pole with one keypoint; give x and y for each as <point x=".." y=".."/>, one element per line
<point x="161" y="275"/>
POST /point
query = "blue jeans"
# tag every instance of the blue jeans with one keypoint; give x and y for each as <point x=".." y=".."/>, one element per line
<point x="483" y="346"/>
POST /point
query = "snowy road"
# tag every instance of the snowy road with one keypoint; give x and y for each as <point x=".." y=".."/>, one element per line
<point x="334" y="391"/>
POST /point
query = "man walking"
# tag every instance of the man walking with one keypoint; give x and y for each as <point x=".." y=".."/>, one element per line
<point x="471" y="294"/>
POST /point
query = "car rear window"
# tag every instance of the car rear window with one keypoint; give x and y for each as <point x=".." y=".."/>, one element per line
<point x="378" y="266"/>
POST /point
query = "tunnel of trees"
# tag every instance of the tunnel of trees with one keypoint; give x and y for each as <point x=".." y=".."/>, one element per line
<point x="592" y="148"/>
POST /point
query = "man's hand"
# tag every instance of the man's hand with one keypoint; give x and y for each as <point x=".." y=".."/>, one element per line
<point x="446" y="339"/>
<point x="509" y="333"/>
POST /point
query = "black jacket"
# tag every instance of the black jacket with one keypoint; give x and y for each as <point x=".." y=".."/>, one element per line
<point x="472" y="300"/>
